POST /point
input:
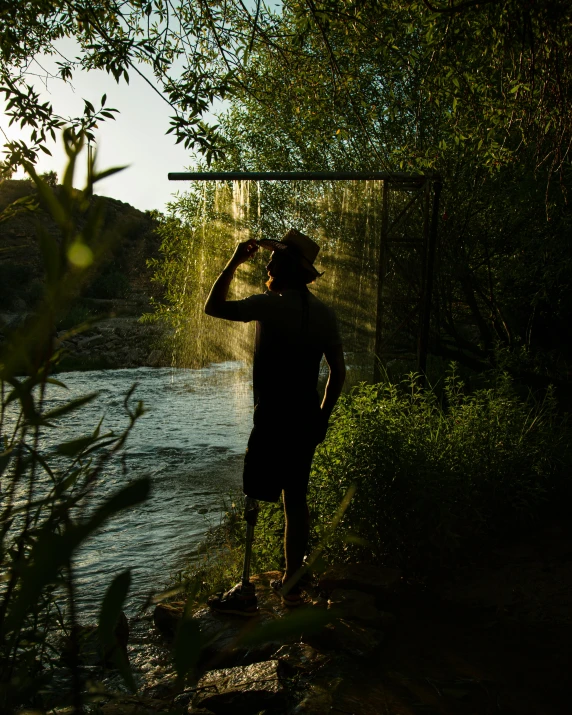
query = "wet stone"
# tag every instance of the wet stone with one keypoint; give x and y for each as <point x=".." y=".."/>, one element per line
<point x="318" y="700"/>
<point x="299" y="658"/>
<point x="166" y="617"/>
<point x="243" y="690"/>
<point x="165" y="686"/>
<point x="223" y="632"/>
<point x="354" y="605"/>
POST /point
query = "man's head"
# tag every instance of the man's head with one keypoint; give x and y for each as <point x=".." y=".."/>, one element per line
<point x="292" y="262"/>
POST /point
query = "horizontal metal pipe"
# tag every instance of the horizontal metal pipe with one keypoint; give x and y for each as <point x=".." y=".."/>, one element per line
<point x="298" y="176"/>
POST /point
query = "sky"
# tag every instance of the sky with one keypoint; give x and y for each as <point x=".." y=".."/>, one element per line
<point x="136" y="139"/>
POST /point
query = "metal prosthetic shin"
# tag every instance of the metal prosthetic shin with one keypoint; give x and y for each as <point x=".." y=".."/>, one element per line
<point x="251" y="509"/>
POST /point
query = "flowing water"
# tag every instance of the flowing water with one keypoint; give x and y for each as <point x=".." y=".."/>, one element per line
<point x="190" y="442"/>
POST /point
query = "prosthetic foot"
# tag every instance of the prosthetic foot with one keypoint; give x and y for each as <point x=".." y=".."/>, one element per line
<point x="241" y="599"/>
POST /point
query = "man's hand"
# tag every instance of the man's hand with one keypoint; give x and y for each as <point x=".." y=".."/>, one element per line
<point x="243" y="252"/>
<point x="216" y="304"/>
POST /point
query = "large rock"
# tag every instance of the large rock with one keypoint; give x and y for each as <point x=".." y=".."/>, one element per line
<point x="91" y="341"/>
<point x="167" y="616"/>
<point x="376" y="580"/>
<point x="317" y="700"/>
<point x="299" y="658"/>
<point x="222" y="634"/>
<point x="244" y="690"/>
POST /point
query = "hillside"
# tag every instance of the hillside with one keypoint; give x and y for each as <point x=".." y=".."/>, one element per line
<point x="118" y="292"/>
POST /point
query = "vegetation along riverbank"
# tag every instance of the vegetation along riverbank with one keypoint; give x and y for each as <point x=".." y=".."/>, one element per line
<point x="439" y="576"/>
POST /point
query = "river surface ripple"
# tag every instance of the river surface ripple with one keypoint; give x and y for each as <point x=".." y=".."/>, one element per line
<point x="191" y="443"/>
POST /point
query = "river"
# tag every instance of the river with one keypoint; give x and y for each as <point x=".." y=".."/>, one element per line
<point x="191" y="443"/>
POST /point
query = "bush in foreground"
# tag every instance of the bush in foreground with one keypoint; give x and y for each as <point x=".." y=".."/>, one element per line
<point x="435" y="479"/>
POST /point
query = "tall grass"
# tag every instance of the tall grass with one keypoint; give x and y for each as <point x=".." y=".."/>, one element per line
<point x="50" y="499"/>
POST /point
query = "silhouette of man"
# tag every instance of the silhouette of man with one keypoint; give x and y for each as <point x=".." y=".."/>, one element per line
<point x="294" y="329"/>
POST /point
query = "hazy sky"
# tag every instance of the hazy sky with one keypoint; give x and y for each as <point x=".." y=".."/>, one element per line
<point x="136" y="138"/>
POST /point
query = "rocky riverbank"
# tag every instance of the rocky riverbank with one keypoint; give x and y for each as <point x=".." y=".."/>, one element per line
<point x="118" y="338"/>
<point x="113" y="343"/>
<point x="493" y="638"/>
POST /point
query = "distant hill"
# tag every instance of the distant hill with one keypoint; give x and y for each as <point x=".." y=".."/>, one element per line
<point x="123" y="275"/>
<point x="117" y="294"/>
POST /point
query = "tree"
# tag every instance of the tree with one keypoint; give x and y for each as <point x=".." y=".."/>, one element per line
<point x="51" y="178"/>
<point x="6" y="171"/>
<point x="175" y="47"/>
<point x="492" y="77"/>
<point x="385" y="86"/>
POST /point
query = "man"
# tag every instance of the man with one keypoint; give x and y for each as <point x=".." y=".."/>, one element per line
<point x="293" y="331"/>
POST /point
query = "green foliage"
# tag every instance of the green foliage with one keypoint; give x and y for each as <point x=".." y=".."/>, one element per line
<point x="49" y="499"/>
<point x="6" y="171"/>
<point x="375" y="83"/>
<point x="410" y="479"/>
<point x="435" y="480"/>
<point x="51" y="178"/>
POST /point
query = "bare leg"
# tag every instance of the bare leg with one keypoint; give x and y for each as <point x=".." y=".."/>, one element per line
<point x="296" y="532"/>
<point x="251" y="508"/>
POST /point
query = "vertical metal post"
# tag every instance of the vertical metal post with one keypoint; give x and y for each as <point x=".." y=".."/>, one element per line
<point x="427" y="285"/>
<point x="381" y="269"/>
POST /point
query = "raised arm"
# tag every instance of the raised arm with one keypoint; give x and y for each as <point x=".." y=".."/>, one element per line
<point x="335" y="359"/>
<point x="216" y="304"/>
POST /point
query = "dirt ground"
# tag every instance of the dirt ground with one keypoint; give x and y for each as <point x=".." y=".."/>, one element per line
<point x="496" y="639"/>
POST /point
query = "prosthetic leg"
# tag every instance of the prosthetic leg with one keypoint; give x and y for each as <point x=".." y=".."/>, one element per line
<point x="241" y="599"/>
<point x="251" y="509"/>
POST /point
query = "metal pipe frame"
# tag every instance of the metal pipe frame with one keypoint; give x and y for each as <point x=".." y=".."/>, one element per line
<point x="300" y="176"/>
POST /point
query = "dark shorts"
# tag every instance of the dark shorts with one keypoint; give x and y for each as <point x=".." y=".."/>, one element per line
<point x="279" y="457"/>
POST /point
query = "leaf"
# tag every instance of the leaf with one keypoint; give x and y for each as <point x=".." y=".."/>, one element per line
<point x="70" y="406"/>
<point x="74" y="446"/>
<point x="53" y="381"/>
<point x="4" y="460"/>
<point x="108" y="172"/>
<point x="49" y="198"/>
<point x="111" y="607"/>
<point x="187" y="646"/>
<point x="52" y="552"/>
<point x="129" y="496"/>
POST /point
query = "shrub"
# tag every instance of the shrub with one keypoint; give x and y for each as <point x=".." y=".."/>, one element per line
<point x="434" y="480"/>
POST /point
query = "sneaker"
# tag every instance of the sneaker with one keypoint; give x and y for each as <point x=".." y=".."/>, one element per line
<point x="238" y="601"/>
<point x="293" y="598"/>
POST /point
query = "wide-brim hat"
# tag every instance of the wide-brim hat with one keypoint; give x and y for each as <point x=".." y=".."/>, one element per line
<point x="296" y="245"/>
